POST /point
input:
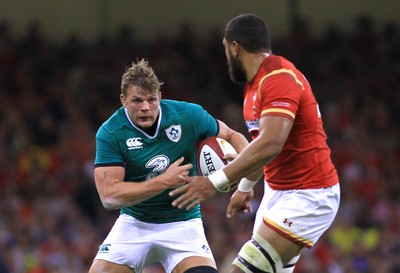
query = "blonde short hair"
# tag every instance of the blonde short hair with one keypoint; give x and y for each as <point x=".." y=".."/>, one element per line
<point x="140" y="74"/>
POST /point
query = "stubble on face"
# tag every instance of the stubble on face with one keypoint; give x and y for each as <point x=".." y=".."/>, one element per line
<point x="237" y="72"/>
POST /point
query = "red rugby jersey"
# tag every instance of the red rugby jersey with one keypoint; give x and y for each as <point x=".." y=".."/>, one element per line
<point x="279" y="89"/>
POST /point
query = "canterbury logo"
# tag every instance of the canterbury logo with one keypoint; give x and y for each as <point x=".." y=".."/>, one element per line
<point x="134" y="143"/>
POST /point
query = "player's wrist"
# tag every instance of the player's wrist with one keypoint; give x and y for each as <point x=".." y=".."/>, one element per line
<point x="218" y="179"/>
<point x="246" y="185"/>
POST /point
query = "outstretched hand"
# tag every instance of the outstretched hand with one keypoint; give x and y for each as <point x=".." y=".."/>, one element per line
<point x="240" y="203"/>
<point x="196" y="190"/>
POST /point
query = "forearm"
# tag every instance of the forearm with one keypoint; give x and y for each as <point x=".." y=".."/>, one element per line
<point x="115" y="193"/>
<point x="121" y="194"/>
<point x="238" y="141"/>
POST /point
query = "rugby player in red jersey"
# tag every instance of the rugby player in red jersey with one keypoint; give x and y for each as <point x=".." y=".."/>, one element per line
<point x="301" y="185"/>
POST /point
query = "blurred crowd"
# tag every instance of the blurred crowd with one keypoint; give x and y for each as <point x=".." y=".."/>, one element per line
<point x="54" y="96"/>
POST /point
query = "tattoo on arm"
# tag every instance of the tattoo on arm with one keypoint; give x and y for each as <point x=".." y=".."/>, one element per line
<point x="105" y="175"/>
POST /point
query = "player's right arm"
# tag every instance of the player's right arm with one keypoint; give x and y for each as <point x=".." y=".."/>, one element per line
<point x="115" y="193"/>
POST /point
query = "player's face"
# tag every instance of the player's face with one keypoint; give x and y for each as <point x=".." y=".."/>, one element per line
<point x="237" y="72"/>
<point x="142" y="107"/>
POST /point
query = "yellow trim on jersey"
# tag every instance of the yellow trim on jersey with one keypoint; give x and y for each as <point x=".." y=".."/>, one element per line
<point x="259" y="85"/>
<point x="278" y="110"/>
<point x="284" y="70"/>
<point x="279" y="71"/>
<point x="295" y="237"/>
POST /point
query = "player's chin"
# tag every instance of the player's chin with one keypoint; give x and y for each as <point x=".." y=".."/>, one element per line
<point x="145" y="123"/>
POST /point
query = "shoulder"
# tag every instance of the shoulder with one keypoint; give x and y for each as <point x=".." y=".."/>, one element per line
<point x="114" y="123"/>
<point x="187" y="114"/>
<point x="277" y="67"/>
<point x="276" y="63"/>
<point x="179" y="106"/>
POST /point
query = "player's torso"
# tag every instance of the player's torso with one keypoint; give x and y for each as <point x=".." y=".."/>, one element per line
<point x="147" y="156"/>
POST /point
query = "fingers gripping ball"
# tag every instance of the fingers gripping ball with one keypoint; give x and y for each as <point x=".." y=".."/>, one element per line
<point x="210" y="157"/>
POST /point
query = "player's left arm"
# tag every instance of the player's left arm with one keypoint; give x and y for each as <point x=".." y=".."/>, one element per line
<point x="273" y="133"/>
<point x="279" y="95"/>
<point x="239" y="142"/>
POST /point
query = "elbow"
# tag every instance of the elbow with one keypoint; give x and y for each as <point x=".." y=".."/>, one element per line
<point x="275" y="150"/>
<point x="108" y="198"/>
<point x="109" y="204"/>
<point x="112" y="203"/>
<point x="272" y="151"/>
<point x="109" y="207"/>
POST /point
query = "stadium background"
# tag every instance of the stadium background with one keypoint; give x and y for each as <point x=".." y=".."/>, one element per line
<point x="60" y="68"/>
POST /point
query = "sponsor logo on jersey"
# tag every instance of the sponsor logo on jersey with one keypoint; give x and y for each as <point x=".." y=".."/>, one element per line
<point x="134" y="143"/>
<point x="253" y="124"/>
<point x="158" y="164"/>
<point x="280" y="104"/>
<point x="174" y="132"/>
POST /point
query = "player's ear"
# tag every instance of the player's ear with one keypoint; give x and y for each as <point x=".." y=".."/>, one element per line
<point x="235" y="48"/>
<point x="159" y="95"/>
<point x="123" y="100"/>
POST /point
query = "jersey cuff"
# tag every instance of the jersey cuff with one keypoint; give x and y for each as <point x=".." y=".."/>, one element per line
<point x="112" y="164"/>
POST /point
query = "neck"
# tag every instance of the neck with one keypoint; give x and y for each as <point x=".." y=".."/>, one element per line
<point x="253" y="63"/>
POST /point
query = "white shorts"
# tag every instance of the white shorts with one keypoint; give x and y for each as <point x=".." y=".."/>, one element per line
<point x="137" y="244"/>
<point x="301" y="216"/>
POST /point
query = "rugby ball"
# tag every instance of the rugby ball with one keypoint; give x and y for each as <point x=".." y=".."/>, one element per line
<point x="210" y="157"/>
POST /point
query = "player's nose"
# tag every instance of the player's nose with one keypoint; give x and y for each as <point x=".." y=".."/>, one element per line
<point x="145" y="106"/>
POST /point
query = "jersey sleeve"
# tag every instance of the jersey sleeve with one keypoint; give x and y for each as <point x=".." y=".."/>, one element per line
<point x="204" y="124"/>
<point x="107" y="150"/>
<point x="280" y="95"/>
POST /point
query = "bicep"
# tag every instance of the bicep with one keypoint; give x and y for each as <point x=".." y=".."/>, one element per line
<point x="105" y="176"/>
<point x="275" y="129"/>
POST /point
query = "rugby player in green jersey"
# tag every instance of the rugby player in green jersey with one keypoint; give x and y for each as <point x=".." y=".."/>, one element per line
<point x="142" y="152"/>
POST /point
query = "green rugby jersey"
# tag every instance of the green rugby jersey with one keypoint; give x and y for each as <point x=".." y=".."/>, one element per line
<point x="120" y="143"/>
